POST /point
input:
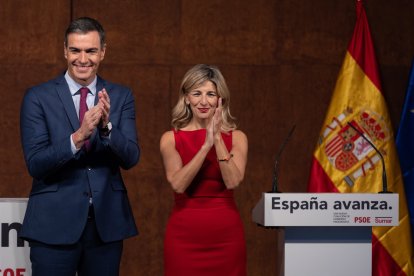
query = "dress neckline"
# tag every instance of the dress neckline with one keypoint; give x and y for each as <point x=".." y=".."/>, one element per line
<point x="194" y="130"/>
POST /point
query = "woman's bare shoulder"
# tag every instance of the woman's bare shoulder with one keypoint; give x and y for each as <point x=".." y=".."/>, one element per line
<point x="239" y="135"/>
<point x="167" y="137"/>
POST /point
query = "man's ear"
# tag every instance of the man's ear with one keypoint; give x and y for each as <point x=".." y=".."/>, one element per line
<point x="103" y="51"/>
<point x="65" y="51"/>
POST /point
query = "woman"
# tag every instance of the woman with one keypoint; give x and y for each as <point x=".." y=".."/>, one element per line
<point x="204" y="159"/>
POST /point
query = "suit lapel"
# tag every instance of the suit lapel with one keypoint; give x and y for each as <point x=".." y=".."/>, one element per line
<point x="67" y="101"/>
<point x="100" y="84"/>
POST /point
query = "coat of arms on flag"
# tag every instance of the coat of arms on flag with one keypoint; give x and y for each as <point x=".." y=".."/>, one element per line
<point x="346" y="150"/>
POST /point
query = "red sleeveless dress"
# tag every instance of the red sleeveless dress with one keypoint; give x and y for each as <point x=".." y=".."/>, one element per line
<point x="204" y="234"/>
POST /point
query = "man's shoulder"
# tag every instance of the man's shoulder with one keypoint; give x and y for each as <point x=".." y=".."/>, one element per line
<point x="45" y="91"/>
<point x="108" y="85"/>
<point x="115" y="90"/>
<point x="50" y="84"/>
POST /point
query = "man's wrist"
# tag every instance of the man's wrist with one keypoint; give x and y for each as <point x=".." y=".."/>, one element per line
<point x="77" y="137"/>
<point x="78" y="140"/>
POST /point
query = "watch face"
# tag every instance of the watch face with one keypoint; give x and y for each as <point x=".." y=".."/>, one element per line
<point x="106" y="130"/>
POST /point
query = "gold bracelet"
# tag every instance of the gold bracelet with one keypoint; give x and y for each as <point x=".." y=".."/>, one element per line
<point x="225" y="159"/>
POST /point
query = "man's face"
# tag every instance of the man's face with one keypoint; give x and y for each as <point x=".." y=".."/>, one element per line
<point x="83" y="53"/>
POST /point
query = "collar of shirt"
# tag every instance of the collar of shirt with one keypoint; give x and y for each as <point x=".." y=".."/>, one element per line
<point x="74" y="86"/>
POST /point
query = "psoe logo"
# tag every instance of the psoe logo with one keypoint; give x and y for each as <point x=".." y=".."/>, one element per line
<point x="12" y="272"/>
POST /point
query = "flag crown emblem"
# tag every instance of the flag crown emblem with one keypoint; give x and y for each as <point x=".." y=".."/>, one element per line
<point x="372" y="127"/>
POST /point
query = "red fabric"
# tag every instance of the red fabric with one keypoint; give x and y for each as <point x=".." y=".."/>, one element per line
<point x="383" y="263"/>
<point x="204" y="234"/>
<point x="83" y="107"/>
<point x="361" y="47"/>
<point x="319" y="181"/>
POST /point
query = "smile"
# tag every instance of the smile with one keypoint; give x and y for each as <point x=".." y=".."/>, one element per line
<point x="83" y="66"/>
<point x="203" y="110"/>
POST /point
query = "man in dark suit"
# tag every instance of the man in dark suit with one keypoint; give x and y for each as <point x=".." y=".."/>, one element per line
<point x="77" y="131"/>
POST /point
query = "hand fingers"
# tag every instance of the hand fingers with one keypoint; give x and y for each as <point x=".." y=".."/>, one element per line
<point x="105" y="103"/>
<point x="105" y="107"/>
<point x="93" y="115"/>
<point x="103" y="95"/>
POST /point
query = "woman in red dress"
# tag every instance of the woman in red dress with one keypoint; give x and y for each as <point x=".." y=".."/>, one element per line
<point x="204" y="159"/>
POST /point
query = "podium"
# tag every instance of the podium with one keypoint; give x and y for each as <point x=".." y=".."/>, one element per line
<point x="14" y="252"/>
<point x="327" y="234"/>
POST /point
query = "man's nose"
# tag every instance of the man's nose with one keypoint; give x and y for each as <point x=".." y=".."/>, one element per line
<point x="83" y="58"/>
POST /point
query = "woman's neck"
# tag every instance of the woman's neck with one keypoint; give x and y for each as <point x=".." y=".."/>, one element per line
<point x="196" y="124"/>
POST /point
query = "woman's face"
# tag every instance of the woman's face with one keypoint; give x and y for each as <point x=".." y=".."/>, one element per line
<point x="203" y="100"/>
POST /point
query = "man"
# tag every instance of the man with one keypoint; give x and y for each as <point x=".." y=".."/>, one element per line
<point x="75" y="141"/>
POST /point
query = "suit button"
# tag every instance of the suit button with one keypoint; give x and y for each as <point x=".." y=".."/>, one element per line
<point x="89" y="168"/>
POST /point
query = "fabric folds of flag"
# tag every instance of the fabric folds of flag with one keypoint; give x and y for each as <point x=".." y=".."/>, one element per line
<point x="405" y="146"/>
<point x="344" y="162"/>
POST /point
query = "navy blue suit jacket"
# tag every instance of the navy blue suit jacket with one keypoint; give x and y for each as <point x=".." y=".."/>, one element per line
<point x="59" y="200"/>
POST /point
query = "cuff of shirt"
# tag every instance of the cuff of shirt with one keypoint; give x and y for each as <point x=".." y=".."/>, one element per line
<point x="72" y="146"/>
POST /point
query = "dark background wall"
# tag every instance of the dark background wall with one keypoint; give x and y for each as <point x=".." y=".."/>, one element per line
<point x="280" y="58"/>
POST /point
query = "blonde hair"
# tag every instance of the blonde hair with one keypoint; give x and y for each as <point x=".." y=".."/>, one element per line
<point x="195" y="77"/>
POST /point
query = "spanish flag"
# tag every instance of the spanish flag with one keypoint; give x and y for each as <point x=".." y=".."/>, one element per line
<point x="343" y="162"/>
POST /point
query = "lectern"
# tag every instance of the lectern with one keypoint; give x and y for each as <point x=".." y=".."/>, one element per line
<point x="327" y="234"/>
<point x="14" y="253"/>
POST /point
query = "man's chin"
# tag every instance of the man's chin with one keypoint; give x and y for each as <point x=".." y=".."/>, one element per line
<point x="82" y="79"/>
<point x="83" y="71"/>
<point x="82" y="76"/>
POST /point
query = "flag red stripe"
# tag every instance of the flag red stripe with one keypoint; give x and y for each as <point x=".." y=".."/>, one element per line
<point x="361" y="47"/>
<point x="384" y="264"/>
<point x="319" y="181"/>
<point x="334" y="147"/>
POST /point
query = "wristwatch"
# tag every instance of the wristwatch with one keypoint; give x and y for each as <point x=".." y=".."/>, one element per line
<point x="105" y="131"/>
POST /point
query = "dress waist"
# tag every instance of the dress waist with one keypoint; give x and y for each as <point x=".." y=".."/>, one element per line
<point x="203" y="202"/>
<point x="205" y="188"/>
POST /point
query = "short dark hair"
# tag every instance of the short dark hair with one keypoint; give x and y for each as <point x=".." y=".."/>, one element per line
<point x="84" y="25"/>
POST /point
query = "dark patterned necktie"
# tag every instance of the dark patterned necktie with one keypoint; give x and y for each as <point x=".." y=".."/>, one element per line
<point x="83" y="107"/>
